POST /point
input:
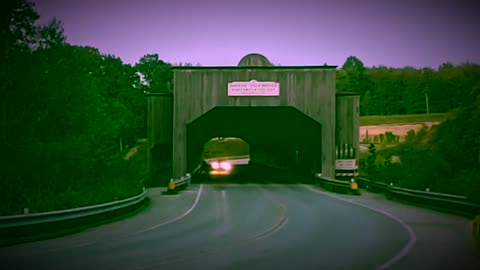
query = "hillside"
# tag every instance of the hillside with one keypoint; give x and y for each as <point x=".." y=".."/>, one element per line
<point x="402" y="119"/>
<point x="399" y="125"/>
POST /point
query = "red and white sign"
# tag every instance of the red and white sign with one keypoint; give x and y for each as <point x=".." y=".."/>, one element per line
<point x="345" y="164"/>
<point x="253" y="88"/>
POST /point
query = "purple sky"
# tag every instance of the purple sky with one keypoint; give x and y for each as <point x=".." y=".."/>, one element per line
<point x="421" y="33"/>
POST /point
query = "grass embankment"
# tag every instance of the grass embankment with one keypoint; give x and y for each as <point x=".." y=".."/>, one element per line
<point x="397" y="125"/>
<point x="58" y="176"/>
<point x="402" y="119"/>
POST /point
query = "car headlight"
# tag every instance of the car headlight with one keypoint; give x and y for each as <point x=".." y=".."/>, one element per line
<point x="215" y="165"/>
<point x="226" y="166"/>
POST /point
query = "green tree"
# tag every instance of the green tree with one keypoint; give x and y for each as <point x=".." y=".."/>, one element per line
<point x="342" y="82"/>
<point x="366" y="104"/>
<point x="49" y="35"/>
<point x="353" y="75"/>
<point x="16" y="26"/>
<point x="121" y="84"/>
<point x="372" y="158"/>
<point x="157" y="74"/>
<point x="20" y="36"/>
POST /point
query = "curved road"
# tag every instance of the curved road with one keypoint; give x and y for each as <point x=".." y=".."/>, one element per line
<point x="252" y="226"/>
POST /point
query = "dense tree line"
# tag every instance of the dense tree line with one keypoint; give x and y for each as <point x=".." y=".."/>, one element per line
<point x="389" y="91"/>
<point x="69" y="114"/>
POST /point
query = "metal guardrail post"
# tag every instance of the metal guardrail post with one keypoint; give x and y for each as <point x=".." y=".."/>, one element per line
<point x="337" y="185"/>
<point x="175" y="184"/>
<point x="354" y="187"/>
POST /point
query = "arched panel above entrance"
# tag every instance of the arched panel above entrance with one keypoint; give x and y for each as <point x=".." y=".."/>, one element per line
<point x="254" y="59"/>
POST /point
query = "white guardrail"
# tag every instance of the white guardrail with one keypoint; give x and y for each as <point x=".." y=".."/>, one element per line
<point x="53" y="216"/>
<point x="461" y="204"/>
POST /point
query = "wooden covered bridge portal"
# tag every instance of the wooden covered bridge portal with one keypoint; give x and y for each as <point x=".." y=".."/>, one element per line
<point x="293" y="108"/>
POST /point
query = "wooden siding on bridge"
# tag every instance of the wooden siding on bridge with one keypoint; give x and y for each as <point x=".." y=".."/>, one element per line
<point x="309" y="89"/>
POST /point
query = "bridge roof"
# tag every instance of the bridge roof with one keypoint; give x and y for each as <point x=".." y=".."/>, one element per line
<point x="253" y="67"/>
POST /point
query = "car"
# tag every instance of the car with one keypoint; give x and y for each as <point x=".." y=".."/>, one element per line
<point x="225" y="166"/>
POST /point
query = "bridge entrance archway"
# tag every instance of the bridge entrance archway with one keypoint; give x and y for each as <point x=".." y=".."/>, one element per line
<point x="281" y="137"/>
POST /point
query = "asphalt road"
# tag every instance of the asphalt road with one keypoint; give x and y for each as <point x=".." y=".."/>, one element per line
<point x="260" y="226"/>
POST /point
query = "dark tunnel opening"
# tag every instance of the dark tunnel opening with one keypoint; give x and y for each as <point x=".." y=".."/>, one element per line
<point x="284" y="142"/>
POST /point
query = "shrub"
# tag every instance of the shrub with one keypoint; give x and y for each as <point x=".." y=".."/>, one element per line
<point x="55" y="176"/>
<point x="370" y="165"/>
<point x="410" y="137"/>
<point x="390" y="137"/>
